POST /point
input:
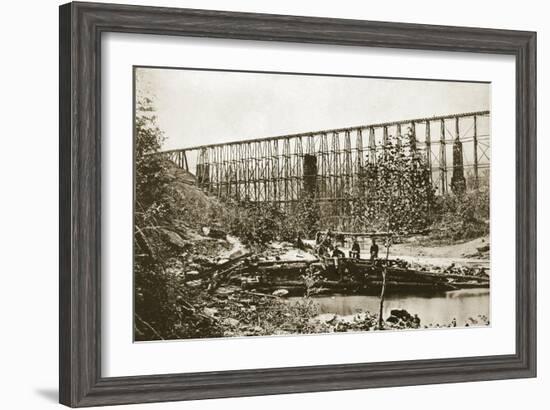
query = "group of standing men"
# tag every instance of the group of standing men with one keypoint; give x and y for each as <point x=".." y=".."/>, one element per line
<point x="326" y="247"/>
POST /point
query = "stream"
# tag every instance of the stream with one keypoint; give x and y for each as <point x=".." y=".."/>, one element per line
<point x="432" y="309"/>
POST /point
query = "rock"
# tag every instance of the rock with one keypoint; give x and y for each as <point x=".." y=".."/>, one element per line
<point x="250" y="279"/>
<point x="392" y="319"/>
<point x="217" y="233"/>
<point x="226" y="290"/>
<point x="482" y="272"/>
<point x="194" y="283"/>
<point x="401" y="314"/>
<point x="330" y="318"/>
<point x="231" y="322"/>
<point x="192" y="273"/>
<point x="280" y="292"/>
<point x="174" y="270"/>
<point x="210" y="311"/>
<point x="236" y="253"/>
<point x="199" y="260"/>
<point x="174" y="239"/>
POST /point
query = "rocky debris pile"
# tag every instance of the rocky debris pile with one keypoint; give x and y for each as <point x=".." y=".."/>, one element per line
<point x="366" y="321"/>
<point x="479" y="271"/>
<point x="233" y="264"/>
<point x="480" y="320"/>
<point x="452" y="269"/>
<point x="333" y="323"/>
<point x="244" y="313"/>
<point x="206" y="261"/>
<point x="401" y="319"/>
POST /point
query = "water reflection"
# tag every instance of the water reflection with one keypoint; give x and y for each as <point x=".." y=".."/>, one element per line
<point x="433" y="309"/>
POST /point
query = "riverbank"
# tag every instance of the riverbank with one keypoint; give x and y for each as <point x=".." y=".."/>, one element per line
<point x="462" y="308"/>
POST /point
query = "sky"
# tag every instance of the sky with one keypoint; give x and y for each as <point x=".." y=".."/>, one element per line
<point x="198" y="107"/>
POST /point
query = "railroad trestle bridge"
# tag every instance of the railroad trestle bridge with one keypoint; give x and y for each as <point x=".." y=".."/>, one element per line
<point x="278" y="169"/>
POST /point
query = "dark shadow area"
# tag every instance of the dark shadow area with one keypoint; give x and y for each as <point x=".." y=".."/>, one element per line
<point x="49" y="394"/>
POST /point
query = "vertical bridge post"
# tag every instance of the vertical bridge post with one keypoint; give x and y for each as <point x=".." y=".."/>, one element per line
<point x="476" y="172"/>
<point x="428" y="142"/>
<point x="458" y="182"/>
<point x="443" y="159"/>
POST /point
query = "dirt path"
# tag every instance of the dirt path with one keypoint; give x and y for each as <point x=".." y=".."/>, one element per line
<point x="464" y="254"/>
<point x="465" y="250"/>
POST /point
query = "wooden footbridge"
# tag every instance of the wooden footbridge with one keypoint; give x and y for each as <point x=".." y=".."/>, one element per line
<point x="328" y="162"/>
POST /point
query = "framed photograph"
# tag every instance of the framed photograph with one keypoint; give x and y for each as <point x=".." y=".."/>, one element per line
<point x="259" y="204"/>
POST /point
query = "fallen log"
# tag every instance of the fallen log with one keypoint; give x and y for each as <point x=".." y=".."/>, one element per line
<point x="268" y="264"/>
<point x="408" y="285"/>
<point x="247" y="292"/>
<point x="226" y="264"/>
<point x="452" y="276"/>
<point x="221" y="271"/>
<point x="282" y="266"/>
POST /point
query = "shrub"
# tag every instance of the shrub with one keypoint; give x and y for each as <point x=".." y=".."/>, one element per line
<point x="461" y="217"/>
<point x="255" y="223"/>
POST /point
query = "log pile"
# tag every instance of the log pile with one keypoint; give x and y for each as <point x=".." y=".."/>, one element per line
<point x="348" y="276"/>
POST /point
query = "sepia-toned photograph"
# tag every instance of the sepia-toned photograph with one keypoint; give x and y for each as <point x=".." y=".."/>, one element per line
<point x="271" y="204"/>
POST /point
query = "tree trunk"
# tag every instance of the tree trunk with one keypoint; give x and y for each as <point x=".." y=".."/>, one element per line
<point x="382" y="293"/>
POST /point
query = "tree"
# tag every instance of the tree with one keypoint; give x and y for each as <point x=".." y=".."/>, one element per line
<point x="255" y="223"/>
<point x="302" y="218"/>
<point x="153" y="313"/>
<point x="397" y="196"/>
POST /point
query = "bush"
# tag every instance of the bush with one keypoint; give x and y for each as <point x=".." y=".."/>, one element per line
<point x="301" y="219"/>
<point x="255" y="223"/>
<point x="461" y="217"/>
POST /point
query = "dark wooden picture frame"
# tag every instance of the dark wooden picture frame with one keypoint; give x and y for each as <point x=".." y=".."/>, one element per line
<point x="81" y="27"/>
